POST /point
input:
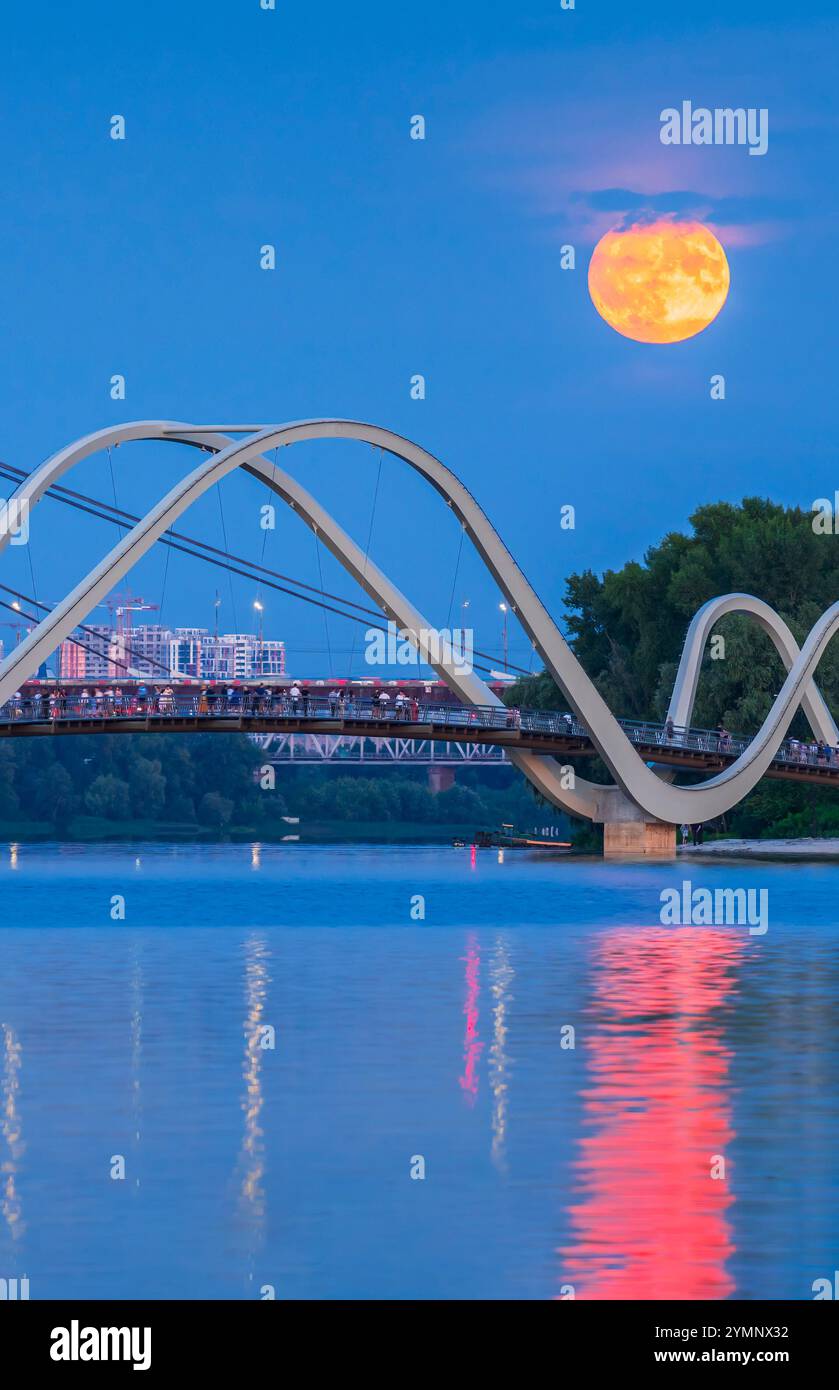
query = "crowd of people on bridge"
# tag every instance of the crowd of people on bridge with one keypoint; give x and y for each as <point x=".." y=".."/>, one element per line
<point x="102" y="702"/>
<point x="347" y="702"/>
<point x="816" y="752"/>
<point x="792" y="750"/>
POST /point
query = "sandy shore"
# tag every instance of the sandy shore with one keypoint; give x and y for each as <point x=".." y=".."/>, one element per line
<point x="765" y="849"/>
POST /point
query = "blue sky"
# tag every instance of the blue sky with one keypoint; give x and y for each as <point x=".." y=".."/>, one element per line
<point x="397" y="256"/>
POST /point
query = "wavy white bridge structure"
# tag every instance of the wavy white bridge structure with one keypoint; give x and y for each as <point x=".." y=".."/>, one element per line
<point x="640" y="809"/>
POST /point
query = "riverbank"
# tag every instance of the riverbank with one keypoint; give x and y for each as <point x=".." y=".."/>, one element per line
<point x="764" y="849"/>
<point x="96" y="830"/>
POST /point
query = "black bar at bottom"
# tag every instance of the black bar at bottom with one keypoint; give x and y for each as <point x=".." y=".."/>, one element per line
<point x="234" y="1339"/>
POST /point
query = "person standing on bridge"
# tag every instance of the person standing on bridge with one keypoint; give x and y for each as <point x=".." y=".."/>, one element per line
<point x="668" y="729"/>
<point x="334" y="701"/>
<point x="294" y="696"/>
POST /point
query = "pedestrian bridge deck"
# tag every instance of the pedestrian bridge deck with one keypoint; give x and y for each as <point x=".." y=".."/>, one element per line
<point x="553" y="733"/>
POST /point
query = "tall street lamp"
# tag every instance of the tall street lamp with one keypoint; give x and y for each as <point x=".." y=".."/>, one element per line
<point x="260" y="647"/>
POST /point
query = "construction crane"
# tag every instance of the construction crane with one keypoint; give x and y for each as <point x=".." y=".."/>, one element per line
<point x="19" y="628"/>
<point x="120" y="607"/>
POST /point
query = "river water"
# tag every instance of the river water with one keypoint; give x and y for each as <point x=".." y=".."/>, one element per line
<point x="273" y="1049"/>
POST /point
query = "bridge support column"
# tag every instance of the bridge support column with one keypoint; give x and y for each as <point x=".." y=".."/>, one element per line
<point x="628" y="831"/>
<point x="639" y="839"/>
<point x="440" y="778"/>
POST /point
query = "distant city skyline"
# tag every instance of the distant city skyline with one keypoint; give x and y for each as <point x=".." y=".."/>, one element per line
<point x="101" y="651"/>
<point x="156" y="651"/>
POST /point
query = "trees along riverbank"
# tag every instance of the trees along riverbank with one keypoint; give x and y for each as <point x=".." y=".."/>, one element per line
<point x="206" y="785"/>
<point x="627" y="628"/>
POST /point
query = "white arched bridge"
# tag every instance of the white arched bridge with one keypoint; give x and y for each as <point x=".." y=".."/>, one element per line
<point x="640" y="808"/>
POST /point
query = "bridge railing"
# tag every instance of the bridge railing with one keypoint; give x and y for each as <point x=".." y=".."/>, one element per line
<point x="53" y="707"/>
<point x="719" y="741"/>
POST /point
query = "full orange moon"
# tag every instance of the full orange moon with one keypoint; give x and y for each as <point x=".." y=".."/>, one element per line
<point x="659" y="282"/>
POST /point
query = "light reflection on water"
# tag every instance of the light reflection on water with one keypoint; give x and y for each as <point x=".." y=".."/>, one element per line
<point x="546" y="1166"/>
<point x="11" y="1133"/>
<point x="655" y="1149"/>
<point x="252" y="1152"/>
<point x="472" y="1045"/>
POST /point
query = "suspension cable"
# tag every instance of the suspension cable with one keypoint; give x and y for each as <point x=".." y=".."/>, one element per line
<point x="80" y="627"/>
<point x="222" y="560"/>
<point x="76" y="641"/>
<point x="103" y="512"/>
<point x="152" y="661"/>
<point x="369" y="540"/>
<point x="230" y="575"/>
<point x="325" y="618"/>
<point x="113" y="484"/>
<point x="454" y="578"/>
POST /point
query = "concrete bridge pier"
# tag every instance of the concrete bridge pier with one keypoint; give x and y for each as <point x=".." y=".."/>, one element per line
<point x="629" y="832"/>
<point x="440" y="778"/>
